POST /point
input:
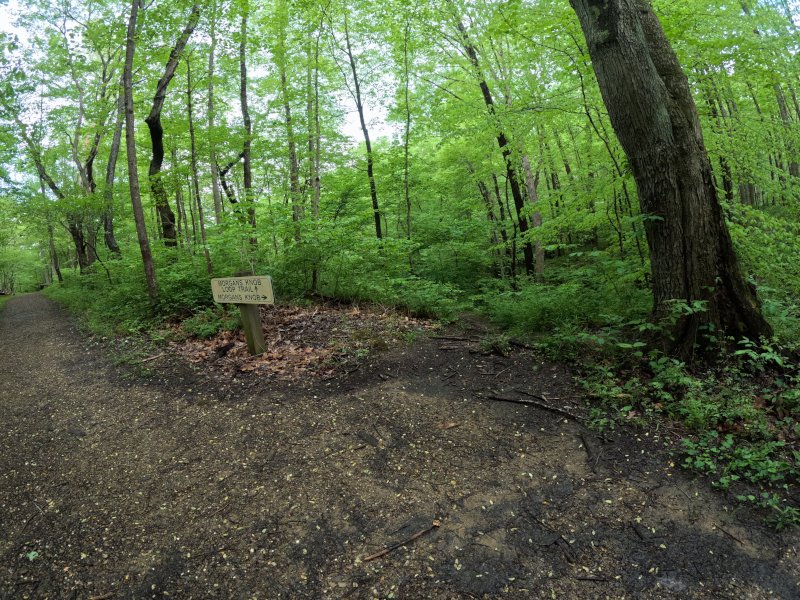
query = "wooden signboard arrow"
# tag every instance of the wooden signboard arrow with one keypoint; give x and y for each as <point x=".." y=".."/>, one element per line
<point x="247" y="292"/>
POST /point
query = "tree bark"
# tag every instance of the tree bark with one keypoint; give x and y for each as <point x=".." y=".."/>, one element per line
<point x="130" y="143"/>
<point x="653" y="113"/>
<point x="153" y="121"/>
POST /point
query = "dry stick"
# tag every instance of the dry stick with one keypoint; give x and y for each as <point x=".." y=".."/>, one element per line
<point x="541" y="405"/>
<point x="419" y="534"/>
<point x="144" y="360"/>
<point x="453" y="338"/>
<point x="728" y="533"/>
<point x="103" y="597"/>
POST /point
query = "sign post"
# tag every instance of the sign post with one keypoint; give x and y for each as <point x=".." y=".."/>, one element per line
<point x="247" y="293"/>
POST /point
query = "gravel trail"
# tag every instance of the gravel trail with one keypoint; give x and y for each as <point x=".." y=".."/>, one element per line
<point x="182" y="485"/>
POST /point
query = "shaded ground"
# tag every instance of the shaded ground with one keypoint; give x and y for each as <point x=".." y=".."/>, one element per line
<point x="186" y="485"/>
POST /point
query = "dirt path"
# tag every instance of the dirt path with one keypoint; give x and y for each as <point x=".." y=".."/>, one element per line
<point x="179" y="486"/>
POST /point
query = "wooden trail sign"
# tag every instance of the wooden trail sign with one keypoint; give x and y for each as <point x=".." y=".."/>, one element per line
<point x="247" y="293"/>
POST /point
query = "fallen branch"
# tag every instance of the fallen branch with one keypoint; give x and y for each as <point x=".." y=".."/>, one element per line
<point x="102" y="597"/>
<point x="148" y="359"/>
<point x="417" y="535"/>
<point x="541" y="405"/>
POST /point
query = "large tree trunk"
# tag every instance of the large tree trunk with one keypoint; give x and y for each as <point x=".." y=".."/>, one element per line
<point x="130" y="143"/>
<point x="153" y="121"/>
<point x="653" y="113"/>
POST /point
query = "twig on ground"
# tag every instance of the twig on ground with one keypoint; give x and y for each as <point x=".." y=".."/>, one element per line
<point x="541" y="405"/>
<point x="102" y="596"/>
<point x="537" y="396"/>
<point x="591" y="578"/>
<point x="386" y="551"/>
<point x="638" y="533"/>
<point x="148" y="359"/>
<point x="728" y="533"/>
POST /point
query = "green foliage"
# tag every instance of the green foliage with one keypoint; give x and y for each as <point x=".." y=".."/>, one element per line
<point x="208" y="322"/>
<point x="546" y="308"/>
<point x="742" y="422"/>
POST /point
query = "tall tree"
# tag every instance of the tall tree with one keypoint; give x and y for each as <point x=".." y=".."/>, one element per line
<point x="153" y="120"/>
<point x="130" y="144"/>
<point x="247" y="169"/>
<point x="503" y="144"/>
<point x="195" y="176"/>
<point x="355" y="92"/>
<point x="211" y="113"/>
<point x="654" y="115"/>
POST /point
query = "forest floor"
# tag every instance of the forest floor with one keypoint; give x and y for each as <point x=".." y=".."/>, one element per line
<point x="406" y="473"/>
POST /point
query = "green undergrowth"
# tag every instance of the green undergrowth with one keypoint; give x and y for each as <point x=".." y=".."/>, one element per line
<point x="739" y="419"/>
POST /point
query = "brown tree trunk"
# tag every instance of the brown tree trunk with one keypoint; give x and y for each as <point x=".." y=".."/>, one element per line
<point x="248" y="124"/>
<point x="407" y="140"/>
<point x="133" y="170"/>
<point x="294" y="165"/>
<point x="53" y="252"/>
<point x="373" y="190"/>
<point x="108" y="193"/>
<point x="653" y="113"/>
<point x="536" y="218"/>
<point x="211" y="114"/>
<point x="195" y="178"/>
<point x="153" y="121"/>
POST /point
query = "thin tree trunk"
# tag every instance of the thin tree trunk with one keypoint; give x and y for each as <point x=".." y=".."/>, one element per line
<point x="51" y="242"/>
<point x="211" y="114"/>
<point x="314" y="143"/>
<point x="407" y="138"/>
<point x="130" y="142"/>
<point x="536" y="217"/>
<point x="653" y="112"/>
<point x="108" y="193"/>
<point x="195" y="179"/>
<point x="248" y="125"/>
<point x="153" y="121"/>
<point x="294" y="165"/>
<point x="505" y="149"/>
<point x="373" y="190"/>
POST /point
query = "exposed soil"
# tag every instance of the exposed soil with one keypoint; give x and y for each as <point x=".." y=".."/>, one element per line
<point x="200" y="482"/>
